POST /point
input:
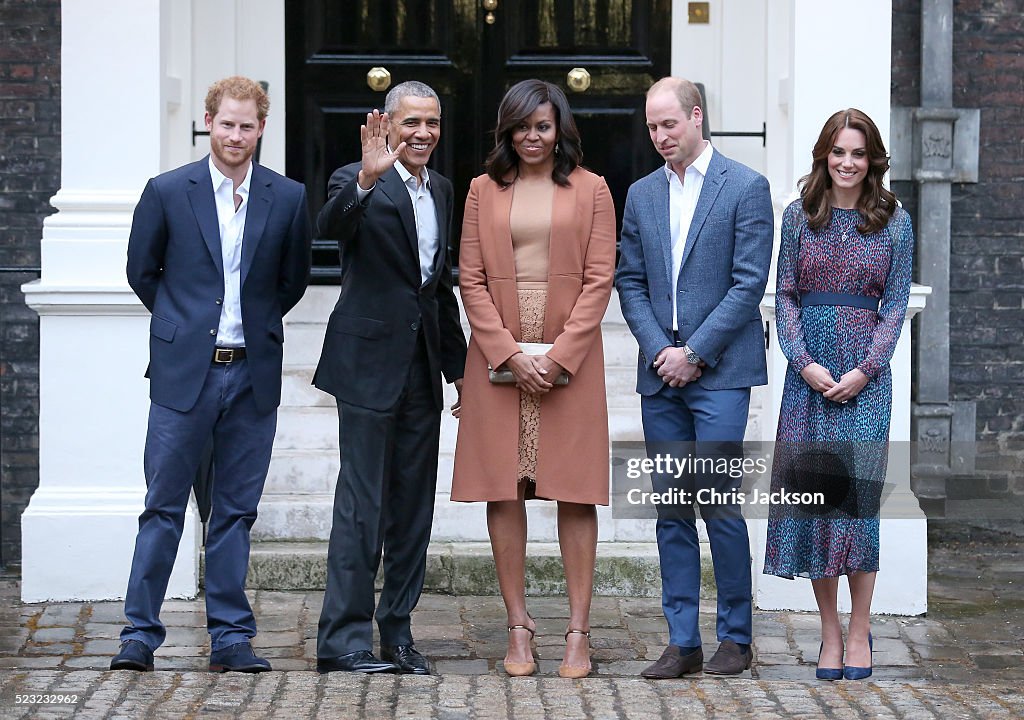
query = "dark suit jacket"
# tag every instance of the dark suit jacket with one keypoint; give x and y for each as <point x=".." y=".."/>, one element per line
<point x="176" y="268"/>
<point x="372" y="332"/>
<point x="721" y="279"/>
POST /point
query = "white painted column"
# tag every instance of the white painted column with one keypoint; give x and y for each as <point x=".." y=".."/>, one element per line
<point x="78" y="531"/>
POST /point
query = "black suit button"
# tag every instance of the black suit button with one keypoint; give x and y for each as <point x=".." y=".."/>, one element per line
<point x="213" y="331"/>
<point x="414" y="326"/>
<point x="218" y="301"/>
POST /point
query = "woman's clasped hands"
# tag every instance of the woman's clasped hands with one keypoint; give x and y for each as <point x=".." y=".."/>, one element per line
<point x="848" y="387"/>
<point x="532" y="372"/>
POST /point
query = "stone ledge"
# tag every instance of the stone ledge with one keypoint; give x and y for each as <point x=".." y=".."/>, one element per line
<point x="623" y="569"/>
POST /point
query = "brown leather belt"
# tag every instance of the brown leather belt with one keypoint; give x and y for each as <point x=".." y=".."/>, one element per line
<point x="228" y="355"/>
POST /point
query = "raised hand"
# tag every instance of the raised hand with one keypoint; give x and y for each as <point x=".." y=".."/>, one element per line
<point x="377" y="160"/>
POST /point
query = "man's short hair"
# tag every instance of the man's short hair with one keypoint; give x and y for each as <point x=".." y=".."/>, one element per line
<point x="238" y="88"/>
<point x="409" y="88"/>
<point x="685" y="91"/>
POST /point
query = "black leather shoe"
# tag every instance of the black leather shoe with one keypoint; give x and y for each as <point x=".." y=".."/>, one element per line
<point x="359" y="661"/>
<point x="730" y="659"/>
<point x="134" y="655"/>
<point x="672" y="664"/>
<point x="237" y="658"/>
<point x="408" y="659"/>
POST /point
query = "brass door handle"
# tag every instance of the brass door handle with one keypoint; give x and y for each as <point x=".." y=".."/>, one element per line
<point x="578" y="79"/>
<point x="379" y="79"/>
<point x="490" y="6"/>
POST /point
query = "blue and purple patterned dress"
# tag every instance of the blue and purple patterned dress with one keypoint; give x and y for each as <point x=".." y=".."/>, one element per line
<point x="837" y="259"/>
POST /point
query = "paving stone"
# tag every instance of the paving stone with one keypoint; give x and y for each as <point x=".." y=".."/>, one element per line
<point x="461" y="667"/>
<point x="53" y="634"/>
<point x="102" y="631"/>
<point x="101" y="647"/>
<point x="771" y="645"/>
<point x="998" y="662"/>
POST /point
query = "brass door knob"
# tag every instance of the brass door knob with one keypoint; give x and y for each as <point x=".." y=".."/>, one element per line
<point x="490" y="5"/>
<point x="379" y="79"/>
<point x="578" y="79"/>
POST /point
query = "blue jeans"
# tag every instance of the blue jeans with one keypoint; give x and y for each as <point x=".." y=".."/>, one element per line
<point x="692" y="413"/>
<point x="242" y="442"/>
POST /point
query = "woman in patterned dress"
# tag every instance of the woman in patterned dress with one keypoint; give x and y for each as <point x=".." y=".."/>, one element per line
<point x="841" y="296"/>
<point x="536" y="265"/>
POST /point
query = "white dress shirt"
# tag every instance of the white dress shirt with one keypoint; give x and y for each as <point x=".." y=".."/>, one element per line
<point x="232" y="225"/>
<point x="427" y="233"/>
<point x="682" y="202"/>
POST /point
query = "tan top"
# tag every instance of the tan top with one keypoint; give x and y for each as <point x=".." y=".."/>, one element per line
<point x="530" y="223"/>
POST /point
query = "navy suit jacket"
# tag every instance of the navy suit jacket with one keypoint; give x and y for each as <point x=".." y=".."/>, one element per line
<point x="176" y="268"/>
<point x="373" y="330"/>
<point x="721" y="279"/>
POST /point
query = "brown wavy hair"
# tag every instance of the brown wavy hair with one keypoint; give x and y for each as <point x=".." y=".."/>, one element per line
<point x="876" y="204"/>
<point x="518" y="104"/>
<point x="238" y="88"/>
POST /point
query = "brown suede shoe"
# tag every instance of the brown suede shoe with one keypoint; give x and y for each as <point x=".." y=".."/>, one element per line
<point x="729" y="659"/>
<point x="673" y="665"/>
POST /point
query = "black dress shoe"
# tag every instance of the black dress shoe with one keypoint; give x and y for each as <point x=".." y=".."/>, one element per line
<point x="729" y="659"/>
<point x="134" y="655"/>
<point x="672" y="664"/>
<point x="408" y="659"/>
<point x="359" y="661"/>
<point x="237" y="658"/>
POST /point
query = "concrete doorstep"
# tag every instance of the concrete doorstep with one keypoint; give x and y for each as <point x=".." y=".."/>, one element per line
<point x="467" y="568"/>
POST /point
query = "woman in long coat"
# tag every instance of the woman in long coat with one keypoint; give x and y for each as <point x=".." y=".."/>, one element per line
<point x="536" y="265"/>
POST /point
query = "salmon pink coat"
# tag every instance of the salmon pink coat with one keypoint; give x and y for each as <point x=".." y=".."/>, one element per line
<point x="572" y="456"/>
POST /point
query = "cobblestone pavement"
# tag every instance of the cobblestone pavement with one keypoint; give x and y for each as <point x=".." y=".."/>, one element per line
<point x="964" y="660"/>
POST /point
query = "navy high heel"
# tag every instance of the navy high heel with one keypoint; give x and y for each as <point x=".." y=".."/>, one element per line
<point x="827" y="673"/>
<point x="859" y="673"/>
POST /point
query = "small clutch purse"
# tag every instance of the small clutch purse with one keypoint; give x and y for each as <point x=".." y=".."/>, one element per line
<point x="504" y="376"/>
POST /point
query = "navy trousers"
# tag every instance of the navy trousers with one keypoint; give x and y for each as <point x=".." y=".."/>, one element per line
<point x="686" y="414"/>
<point x="242" y="442"/>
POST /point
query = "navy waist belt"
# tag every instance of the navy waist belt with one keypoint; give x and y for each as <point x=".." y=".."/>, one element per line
<point x="828" y="298"/>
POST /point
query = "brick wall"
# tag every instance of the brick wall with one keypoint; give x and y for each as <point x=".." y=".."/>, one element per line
<point x="987" y="244"/>
<point x="29" y="176"/>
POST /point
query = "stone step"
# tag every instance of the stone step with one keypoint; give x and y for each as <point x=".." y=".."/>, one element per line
<point x="297" y="390"/>
<point x="316" y="428"/>
<point x="306" y="325"/>
<point x="622" y="569"/>
<point x="306" y="516"/>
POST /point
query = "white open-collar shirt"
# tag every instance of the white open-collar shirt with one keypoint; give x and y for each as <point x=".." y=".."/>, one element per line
<point x="682" y="202"/>
<point x="231" y="223"/>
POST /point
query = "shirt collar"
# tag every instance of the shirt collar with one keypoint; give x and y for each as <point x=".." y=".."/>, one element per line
<point x="219" y="178"/>
<point x="404" y="173"/>
<point x="699" y="165"/>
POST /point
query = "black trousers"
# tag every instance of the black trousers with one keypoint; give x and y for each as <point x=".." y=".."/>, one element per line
<point x="383" y="503"/>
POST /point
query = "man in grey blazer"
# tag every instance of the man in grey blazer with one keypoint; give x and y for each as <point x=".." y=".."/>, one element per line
<point x="695" y="252"/>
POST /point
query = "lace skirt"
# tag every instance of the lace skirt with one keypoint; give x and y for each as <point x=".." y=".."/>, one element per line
<point x="532" y="302"/>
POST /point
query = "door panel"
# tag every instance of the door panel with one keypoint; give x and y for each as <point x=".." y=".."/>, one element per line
<point x="448" y="44"/>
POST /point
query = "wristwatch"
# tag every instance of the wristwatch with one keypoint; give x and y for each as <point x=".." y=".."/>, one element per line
<point x="691" y="357"/>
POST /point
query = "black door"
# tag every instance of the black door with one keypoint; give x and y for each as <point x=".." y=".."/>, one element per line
<point x="470" y="54"/>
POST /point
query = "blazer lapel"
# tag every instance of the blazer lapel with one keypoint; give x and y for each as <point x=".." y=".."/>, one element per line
<point x="261" y="197"/>
<point x="441" y="213"/>
<point x="200" y="196"/>
<point x="392" y="186"/>
<point x="713" y="182"/>
<point x="661" y="213"/>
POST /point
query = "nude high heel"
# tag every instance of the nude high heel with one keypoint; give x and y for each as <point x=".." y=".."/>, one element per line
<point x="521" y="669"/>
<point x="575" y="672"/>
